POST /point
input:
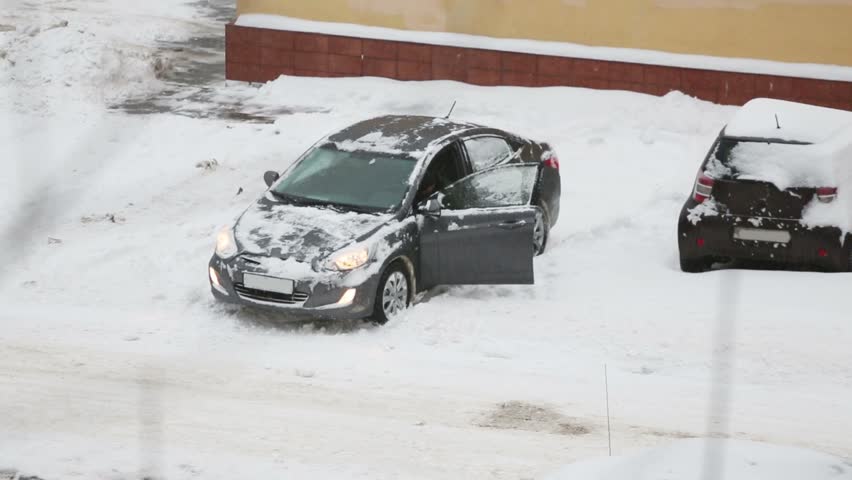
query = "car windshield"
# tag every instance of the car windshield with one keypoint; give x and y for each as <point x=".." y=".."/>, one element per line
<point x="359" y="180"/>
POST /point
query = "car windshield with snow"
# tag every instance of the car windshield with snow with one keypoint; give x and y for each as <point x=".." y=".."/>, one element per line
<point x="387" y="208"/>
<point x="775" y="189"/>
<point x="359" y="181"/>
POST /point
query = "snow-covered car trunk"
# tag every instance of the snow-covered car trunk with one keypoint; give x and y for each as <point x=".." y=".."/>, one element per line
<point x="750" y="198"/>
<point x="783" y="196"/>
<point x="776" y="180"/>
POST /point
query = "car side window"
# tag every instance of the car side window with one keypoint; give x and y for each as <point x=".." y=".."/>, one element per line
<point x="485" y="152"/>
<point x="502" y="186"/>
<point x="446" y="168"/>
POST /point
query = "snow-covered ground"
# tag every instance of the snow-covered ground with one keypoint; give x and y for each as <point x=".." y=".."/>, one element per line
<point x="115" y="362"/>
<point x="713" y="459"/>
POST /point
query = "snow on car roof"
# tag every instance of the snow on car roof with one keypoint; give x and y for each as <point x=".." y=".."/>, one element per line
<point x="409" y="135"/>
<point x="799" y="122"/>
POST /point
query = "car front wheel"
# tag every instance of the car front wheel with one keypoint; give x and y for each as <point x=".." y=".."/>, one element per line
<point x="393" y="295"/>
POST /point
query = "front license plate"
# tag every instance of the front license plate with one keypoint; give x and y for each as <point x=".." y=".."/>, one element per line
<point x="268" y="284"/>
<point x="761" y="235"/>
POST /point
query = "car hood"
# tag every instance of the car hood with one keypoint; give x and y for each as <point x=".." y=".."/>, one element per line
<point x="305" y="234"/>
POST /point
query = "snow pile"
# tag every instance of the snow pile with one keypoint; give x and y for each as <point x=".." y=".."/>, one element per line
<point x="51" y="57"/>
<point x="57" y="60"/>
<point x="688" y="460"/>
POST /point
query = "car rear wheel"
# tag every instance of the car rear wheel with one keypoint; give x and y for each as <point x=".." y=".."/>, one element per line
<point x="850" y="257"/>
<point x="541" y="231"/>
<point x="393" y="295"/>
<point x="695" y="265"/>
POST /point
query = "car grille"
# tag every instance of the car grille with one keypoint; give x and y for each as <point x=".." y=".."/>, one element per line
<point x="270" y="297"/>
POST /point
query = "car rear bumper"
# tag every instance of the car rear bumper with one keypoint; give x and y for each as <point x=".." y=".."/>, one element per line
<point x="712" y="238"/>
<point x="313" y="297"/>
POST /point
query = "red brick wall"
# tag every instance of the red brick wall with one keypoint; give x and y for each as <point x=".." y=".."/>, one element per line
<point x="260" y="55"/>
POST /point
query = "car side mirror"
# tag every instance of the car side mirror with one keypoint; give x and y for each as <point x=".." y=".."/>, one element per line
<point x="270" y="178"/>
<point x="430" y="207"/>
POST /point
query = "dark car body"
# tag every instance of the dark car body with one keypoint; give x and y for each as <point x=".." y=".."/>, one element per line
<point x="735" y="219"/>
<point x="482" y="239"/>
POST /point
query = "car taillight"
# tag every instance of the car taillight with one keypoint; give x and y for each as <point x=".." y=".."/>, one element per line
<point x="703" y="187"/>
<point x="552" y="162"/>
<point x="826" y="194"/>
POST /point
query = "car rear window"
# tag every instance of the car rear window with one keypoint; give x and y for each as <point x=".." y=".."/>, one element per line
<point x="786" y="165"/>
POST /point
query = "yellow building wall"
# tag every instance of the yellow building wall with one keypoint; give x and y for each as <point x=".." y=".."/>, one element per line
<point x="811" y="31"/>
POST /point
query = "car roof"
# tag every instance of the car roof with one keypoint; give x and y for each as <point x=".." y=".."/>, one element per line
<point x="799" y="123"/>
<point x="410" y="135"/>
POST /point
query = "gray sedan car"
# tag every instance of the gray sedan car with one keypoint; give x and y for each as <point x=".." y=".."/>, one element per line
<point x="387" y="208"/>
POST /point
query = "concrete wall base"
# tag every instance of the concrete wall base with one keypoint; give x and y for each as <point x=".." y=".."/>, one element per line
<point x="261" y="55"/>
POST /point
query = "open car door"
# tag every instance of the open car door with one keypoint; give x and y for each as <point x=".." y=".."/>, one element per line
<point x="483" y="231"/>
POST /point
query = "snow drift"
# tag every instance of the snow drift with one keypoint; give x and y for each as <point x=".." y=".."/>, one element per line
<point x="721" y="459"/>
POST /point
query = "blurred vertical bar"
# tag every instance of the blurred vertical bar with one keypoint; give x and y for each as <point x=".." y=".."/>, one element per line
<point x="151" y="433"/>
<point x="724" y="352"/>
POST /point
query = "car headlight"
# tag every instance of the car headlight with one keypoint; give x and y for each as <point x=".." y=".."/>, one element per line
<point x="226" y="244"/>
<point x="350" y="258"/>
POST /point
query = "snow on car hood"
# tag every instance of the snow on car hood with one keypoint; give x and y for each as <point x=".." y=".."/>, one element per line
<point x="301" y="233"/>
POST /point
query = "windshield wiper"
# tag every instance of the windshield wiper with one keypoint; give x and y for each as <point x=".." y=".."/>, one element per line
<point x="309" y="202"/>
<point x="342" y="207"/>
<point x="346" y="207"/>
<point x="283" y="197"/>
<point x="297" y="200"/>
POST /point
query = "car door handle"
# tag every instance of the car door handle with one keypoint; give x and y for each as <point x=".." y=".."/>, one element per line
<point x="512" y="224"/>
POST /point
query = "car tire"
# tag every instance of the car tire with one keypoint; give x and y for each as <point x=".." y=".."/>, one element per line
<point x="695" y="265"/>
<point x="850" y="256"/>
<point x="541" y="230"/>
<point x="394" y="287"/>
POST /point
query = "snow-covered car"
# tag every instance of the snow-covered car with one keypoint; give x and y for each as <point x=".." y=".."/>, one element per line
<point x="776" y="187"/>
<point x="386" y="208"/>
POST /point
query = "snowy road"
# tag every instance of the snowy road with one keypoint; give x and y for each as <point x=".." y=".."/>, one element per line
<point x="114" y="360"/>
